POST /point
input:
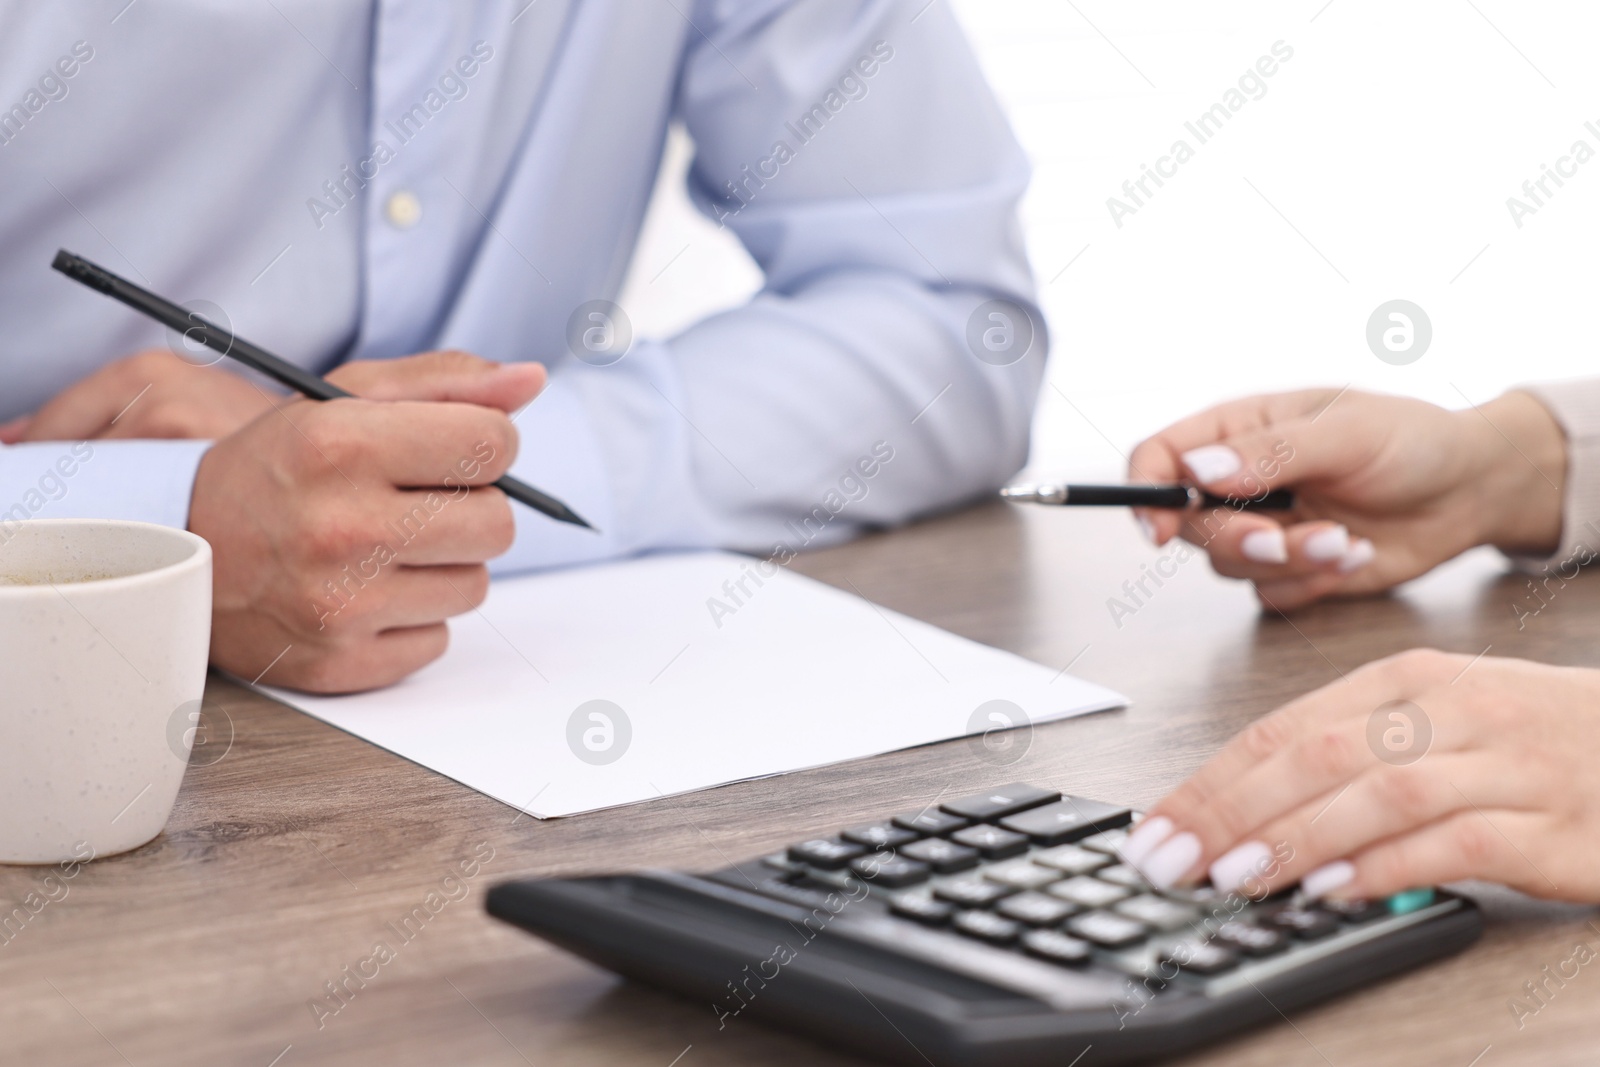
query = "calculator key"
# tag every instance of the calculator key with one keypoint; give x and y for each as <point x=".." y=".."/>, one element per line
<point x="1200" y="957"/>
<point x="1249" y="940"/>
<point x="1000" y="802"/>
<point x="1155" y="912"/>
<point x="1304" y="924"/>
<point x="1035" y="909"/>
<point x="1355" y="911"/>
<point x="826" y="853"/>
<point x="844" y="878"/>
<point x="987" y="926"/>
<point x="782" y="863"/>
<point x="972" y="892"/>
<point x="1409" y="901"/>
<point x="1205" y="896"/>
<point x="922" y="907"/>
<point x="1055" y="946"/>
<point x="1107" y="841"/>
<point x="931" y="821"/>
<point x="1104" y="928"/>
<point x="805" y="896"/>
<point x="945" y="857"/>
<point x="1123" y="875"/>
<point x="1088" y="892"/>
<point x="1021" y="874"/>
<point x="1068" y="819"/>
<point x="993" y="842"/>
<point x="1142" y="959"/>
<point x="879" y="835"/>
<point x="1070" y="859"/>
<point x="889" y="871"/>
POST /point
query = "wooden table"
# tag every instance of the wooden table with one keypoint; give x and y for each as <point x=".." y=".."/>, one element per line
<point x="288" y="858"/>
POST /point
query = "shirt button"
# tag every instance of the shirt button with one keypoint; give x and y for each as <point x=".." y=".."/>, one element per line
<point x="403" y="210"/>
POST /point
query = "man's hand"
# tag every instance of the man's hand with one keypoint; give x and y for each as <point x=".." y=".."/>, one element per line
<point x="1386" y="488"/>
<point x="345" y="532"/>
<point x="1418" y="769"/>
<point x="150" y="394"/>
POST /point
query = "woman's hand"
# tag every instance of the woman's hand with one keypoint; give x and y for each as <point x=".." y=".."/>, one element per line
<point x="150" y="394"/>
<point x="1421" y="768"/>
<point x="1386" y="488"/>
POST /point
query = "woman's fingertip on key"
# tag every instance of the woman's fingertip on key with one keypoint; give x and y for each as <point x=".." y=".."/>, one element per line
<point x="1145" y="837"/>
<point x="1171" y="861"/>
<point x="1325" y="879"/>
<point x="1239" y="864"/>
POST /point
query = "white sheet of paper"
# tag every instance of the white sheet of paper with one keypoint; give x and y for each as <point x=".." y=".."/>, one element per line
<point x="797" y="674"/>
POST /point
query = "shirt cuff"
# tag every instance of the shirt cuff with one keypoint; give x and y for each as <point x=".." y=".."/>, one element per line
<point x="601" y="440"/>
<point x="144" y="481"/>
<point x="1575" y="406"/>
<point x="559" y="453"/>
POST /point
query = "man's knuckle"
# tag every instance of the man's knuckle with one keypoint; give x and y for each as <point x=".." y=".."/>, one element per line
<point x="327" y="436"/>
<point x="326" y="670"/>
<point x="459" y="359"/>
<point x="336" y="536"/>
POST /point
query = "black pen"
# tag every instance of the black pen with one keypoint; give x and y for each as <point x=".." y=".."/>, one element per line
<point x="283" y="372"/>
<point x="1178" y="497"/>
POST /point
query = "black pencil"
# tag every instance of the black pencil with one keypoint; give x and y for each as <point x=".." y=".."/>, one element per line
<point x="1178" y="497"/>
<point x="253" y="356"/>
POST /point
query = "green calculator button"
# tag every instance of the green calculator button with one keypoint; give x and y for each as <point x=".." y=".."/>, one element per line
<point x="1409" y="901"/>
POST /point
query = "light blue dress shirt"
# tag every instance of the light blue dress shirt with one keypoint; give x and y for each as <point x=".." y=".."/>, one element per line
<point x="349" y="179"/>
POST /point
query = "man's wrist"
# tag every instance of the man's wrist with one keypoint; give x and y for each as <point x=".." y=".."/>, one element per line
<point x="1522" y="492"/>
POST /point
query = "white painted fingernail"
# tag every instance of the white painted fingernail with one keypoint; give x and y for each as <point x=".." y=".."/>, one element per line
<point x="1327" y="878"/>
<point x="1172" y="860"/>
<point x="1359" y="554"/>
<point x="1149" y="529"/>
<point x="1138" y="845"/>
<point x="1327" y="544"/>
<point x="1249" y="860"/>
<point x="1211" y="462"/>
<point x="1265" y="546"/>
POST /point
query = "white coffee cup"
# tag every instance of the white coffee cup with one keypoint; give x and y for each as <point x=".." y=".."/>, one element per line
<point x="105" y="627"/>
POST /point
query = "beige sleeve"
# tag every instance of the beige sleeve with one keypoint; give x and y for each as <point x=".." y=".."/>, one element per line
<point x="1576" y="406"/>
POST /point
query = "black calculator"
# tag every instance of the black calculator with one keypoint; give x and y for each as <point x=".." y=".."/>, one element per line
<point x="998" y="928"/>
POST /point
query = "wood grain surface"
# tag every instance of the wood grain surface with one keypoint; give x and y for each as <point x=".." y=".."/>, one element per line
<point x="296" y="849"/>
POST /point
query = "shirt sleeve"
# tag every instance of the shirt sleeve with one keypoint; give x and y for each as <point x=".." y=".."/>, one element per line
<point x="1576" y="407"/>
<point x="147" y="481"/>
<point x="889" y="366"/>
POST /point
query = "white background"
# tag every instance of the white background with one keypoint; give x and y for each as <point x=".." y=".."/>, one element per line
<point x="1377" y="166"/>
